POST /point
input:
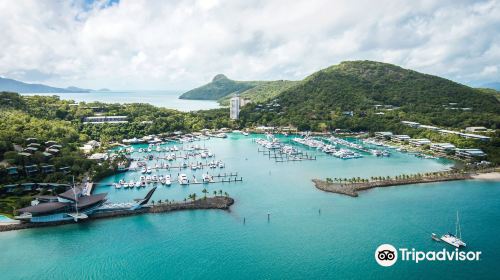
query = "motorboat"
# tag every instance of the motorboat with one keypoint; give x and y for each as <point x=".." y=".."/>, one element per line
<point x="206" y="178"/>
<point x="183" y="179"/>
<point x="168" y="180"/>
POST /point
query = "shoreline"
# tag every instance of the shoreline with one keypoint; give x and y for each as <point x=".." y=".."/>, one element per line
<point x="217" y="202"/>
<point x="353" y="189"/>
<point x="490" y="176"/>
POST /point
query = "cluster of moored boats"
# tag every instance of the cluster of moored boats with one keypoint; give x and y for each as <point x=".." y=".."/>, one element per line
<point x="327" y="148"/>
<point x="143" y="181"/>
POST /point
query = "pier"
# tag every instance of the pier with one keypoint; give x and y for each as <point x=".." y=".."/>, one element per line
<point x="216" y="202"/>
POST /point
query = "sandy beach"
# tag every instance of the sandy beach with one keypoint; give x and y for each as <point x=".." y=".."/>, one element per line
<point x="494" y="176"/>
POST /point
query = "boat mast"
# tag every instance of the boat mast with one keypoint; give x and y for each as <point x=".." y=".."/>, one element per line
<point x="76" y="200"/>
<point x="458" y="231"/>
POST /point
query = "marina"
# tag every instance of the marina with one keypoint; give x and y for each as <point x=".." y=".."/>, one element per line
<point x="302" y="211"/>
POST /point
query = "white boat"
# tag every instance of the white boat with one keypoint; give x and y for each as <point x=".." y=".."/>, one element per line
<point x="183" y="179"/>
<point x="117" y="186"/>
<point x="245" y="133"/>
<point x="454" y="240"/>
<point x="137" y="184"/>
<point x="143" y="183"/>
<point x="121" y="182"/>
<point x="221" y="164"/>
<point x="148" y="170"/>
<point x="144" y="170"/>
<point x="206" y="178"/>
<point x="168" y="180"/>
<point x="154" y="178"/>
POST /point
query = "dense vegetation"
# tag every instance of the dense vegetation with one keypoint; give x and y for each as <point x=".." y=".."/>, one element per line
<point x="262" y="92"/>
<point x="360" y="85"/>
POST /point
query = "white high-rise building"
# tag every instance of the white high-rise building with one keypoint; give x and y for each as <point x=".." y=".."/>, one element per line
<point x="234" y="107"/>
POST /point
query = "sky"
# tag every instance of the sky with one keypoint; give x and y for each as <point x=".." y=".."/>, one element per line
<point x="178" y="45"/>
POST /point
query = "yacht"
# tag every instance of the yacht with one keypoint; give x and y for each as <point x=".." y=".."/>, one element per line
<point x="148" y="170"/>
<point x="168" y="180"/>
<point x="117" y="186"/>
<point x="183" y="179"/>
<point x="454" y="239"/>
<point x="206" y="178"/>
<point x="144" y="170"/>
<point x="245" y="133"/>
<point x="137" y="184"/>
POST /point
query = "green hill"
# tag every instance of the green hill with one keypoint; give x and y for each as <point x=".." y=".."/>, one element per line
<point x="359" y="85"/>
<point x="262" y="92"/>
<point x="220" y="87"/>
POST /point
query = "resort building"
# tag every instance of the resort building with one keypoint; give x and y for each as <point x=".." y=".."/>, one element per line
<point x="383" y="135"/>
<point x="99" y="156"/>
<point x="69" y="205"/>
<point x="234" y="107"/>
<point x="105" y="119"/>
<point x="476" y="129"/>
<point x="420" y="142"/>
<point x="400" y="138"/>
<point x="411" y="124"/>
<point x="443" y="147"/>
<point x="89" y="146"/>
<point x="470" y="153"/>
<point x="430" y="127"/>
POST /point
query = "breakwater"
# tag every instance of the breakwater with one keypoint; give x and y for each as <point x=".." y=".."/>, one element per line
<point x="352" y="188"/>
<point x="217" y="202"/>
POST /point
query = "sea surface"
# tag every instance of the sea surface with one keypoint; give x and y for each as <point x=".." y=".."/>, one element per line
<point x="310" y="234"/>
<point x="166" y="99"/>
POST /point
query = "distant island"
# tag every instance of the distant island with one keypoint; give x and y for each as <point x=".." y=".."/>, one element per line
<point x="11" y="85"/>
<point x="222" y="89"/>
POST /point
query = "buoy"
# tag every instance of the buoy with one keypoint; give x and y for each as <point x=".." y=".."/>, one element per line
<point x="268" y="217"/>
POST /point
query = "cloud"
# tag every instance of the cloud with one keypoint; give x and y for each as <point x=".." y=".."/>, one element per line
<point x="144" y="44"/>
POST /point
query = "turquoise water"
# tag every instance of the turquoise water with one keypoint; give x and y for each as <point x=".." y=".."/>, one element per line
<point x="298" y="242"/>
<point x="5" y="219"/>
<point x="167" y="99"/>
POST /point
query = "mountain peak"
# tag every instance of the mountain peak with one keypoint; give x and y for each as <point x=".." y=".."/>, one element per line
<point x="219" y="77"/>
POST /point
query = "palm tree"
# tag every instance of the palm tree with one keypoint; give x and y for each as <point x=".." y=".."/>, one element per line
<point x="215" y="193"/>
<point x="204" y="191"/>
<point x="159" y="201"/>
<point x="193" y="196"/>
<point x="226" y="194"/>
<point x="220" y="192"/>
<point x="153" y="202"/>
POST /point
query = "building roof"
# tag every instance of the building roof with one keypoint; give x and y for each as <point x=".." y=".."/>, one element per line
<point x="70" y="194"/>
<point x="85" y="201"/>
<point x="44" y="207"/>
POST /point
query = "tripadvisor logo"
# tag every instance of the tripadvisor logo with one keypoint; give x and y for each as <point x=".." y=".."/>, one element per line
<point x="387" y="255"/>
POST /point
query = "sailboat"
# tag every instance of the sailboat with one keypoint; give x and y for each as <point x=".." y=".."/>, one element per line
<point x="454" y="240"/>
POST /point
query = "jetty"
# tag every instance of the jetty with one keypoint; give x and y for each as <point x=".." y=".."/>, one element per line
<point x="351" y="188"/>
<point x="216" y="202"/>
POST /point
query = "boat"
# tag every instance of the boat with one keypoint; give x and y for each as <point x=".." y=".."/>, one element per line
<point x="435" y="237"/>
<point x="221" y="164"/>
<point x="117" y="186"/>
<point x="144" y="170"/>
<point x="148" y="170"/>
<point x="168" y="180"/>
<point x="183" y="179"/>
<point x="245" y="133"/>
<point x="137" y="184"/>
<point x="143" y="178"/>
<point x="454" y="240"/>
<point x="206" y="178"/>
